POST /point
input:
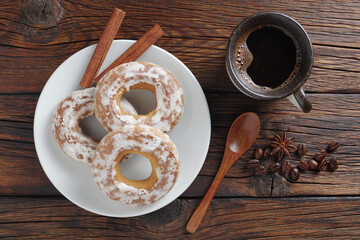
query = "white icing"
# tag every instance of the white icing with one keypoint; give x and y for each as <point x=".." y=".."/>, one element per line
<point x="144" y="139"/>
<point x="169" y="96"/>
<point x="66" y="124"/>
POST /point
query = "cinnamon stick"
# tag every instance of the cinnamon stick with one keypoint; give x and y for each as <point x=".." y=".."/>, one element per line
<point x="137" y="49"/>
<point x="102" y="48"/>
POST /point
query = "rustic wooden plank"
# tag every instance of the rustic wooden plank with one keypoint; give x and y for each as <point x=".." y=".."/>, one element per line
<point x="337" y="113"/>
<point x="183" y="18"/>
<point x="18" y="108"/>
<point x="31" y="44"/>
<point x="224" y="109"/>
<point x="232" y="218"/>
<point x="21" y="173"/>
<point x="335" y="117"/>
<point x="16" y="131"/>
<point x="333" y="67"/>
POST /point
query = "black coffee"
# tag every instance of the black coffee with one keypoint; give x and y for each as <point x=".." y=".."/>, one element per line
<point x="274" y="56"/>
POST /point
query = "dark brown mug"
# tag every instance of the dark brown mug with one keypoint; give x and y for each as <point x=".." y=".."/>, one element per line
<point x="292" y="86"/>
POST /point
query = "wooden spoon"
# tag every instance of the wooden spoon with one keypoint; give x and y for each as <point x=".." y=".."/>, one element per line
<point x="241" y="136"/>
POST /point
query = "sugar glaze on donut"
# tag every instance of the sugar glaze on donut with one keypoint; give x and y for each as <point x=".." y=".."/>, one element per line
<point x="66" y="124"/>
<point x="141" y="139"/>
<point x="139" y="75"/>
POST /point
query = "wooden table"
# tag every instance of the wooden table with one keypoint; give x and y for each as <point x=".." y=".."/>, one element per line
<point x="36" y="36"/>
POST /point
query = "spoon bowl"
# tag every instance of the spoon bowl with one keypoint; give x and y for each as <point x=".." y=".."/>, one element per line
<point x="242" y="134"/>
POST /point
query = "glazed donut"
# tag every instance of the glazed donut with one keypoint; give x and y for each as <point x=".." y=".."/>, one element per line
<point x="141" y="139"/>
<point x="139" y="75"/>
<point x="66" y="124"/>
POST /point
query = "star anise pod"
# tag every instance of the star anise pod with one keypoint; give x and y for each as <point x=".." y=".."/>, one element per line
<point x="281" y="145"/>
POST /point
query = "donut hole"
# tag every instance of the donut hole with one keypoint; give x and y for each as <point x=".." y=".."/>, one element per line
<point x="91" y="127"/>
<point x="143" y="100"/>
<point x="138" y="167"/>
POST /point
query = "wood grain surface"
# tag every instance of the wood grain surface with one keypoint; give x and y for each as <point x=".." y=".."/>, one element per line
<point x="36" y="36"/>
<point x="229" y="218"/>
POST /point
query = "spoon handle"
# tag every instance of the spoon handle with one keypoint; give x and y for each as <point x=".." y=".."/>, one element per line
<point x="200" y="211"/>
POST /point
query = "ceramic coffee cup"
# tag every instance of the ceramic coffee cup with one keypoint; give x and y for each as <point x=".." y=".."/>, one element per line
<point x="239" y="58"/>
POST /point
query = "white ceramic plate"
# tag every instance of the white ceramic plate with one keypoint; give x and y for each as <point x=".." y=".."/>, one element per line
<point x="74" y="180"/>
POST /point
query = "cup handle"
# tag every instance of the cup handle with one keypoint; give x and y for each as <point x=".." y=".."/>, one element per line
<point x="300" y="101"/>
